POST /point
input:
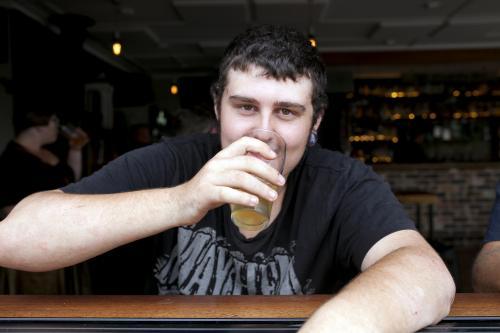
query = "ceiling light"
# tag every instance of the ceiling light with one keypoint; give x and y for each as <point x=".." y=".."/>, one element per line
<point x="313" y="41"/>
<point x="117" y="48"/>
<point x="117" y="45"/>
<point x="174" y="89"/>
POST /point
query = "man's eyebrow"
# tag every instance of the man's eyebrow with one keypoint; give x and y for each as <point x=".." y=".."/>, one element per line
<point x="291" y="105"/>
<point x="282" y="104"/>
<point x="239" y="98"/>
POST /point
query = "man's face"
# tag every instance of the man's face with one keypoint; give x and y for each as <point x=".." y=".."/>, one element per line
<point x="252" y="100"/>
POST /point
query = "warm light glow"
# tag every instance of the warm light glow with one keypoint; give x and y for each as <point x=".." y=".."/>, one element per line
<point x="117" y="48"/>
<point x="456" y="93"/>
<point x="411" y="116"/>
<point x="396" y="116"/>
<point x="395" y="139"/>
<point x="174" y="90"/>
<point x="432" y="115"/>
<point x="457" y="115"/>
<point x="474" y="114"/>
<point x="382" y="159"/>
<point x="394" y="94"/>
<point x="313" y="42"/>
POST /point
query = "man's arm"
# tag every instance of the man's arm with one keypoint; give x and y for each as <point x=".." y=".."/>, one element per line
<point x="404" y="286"/>
<point x="50" y="230"/>
<point x="486" y="269"/>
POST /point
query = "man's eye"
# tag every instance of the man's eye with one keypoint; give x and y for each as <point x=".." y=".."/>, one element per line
<point x="247" y="107"/>
<point x="286" y="112"/>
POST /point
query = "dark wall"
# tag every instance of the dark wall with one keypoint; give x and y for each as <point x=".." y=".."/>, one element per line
<point x="50" y="70"/>
<point x="4" y="36"/>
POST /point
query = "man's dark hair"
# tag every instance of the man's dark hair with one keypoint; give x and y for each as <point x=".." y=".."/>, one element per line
<point x="26" y="119"/>
<point x="283" y="53"/>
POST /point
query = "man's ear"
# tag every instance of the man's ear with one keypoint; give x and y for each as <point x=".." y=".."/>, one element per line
<point x="318" y="120"/>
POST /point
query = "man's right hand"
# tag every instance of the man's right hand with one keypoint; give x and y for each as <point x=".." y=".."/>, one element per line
<point x="235" y="177"/>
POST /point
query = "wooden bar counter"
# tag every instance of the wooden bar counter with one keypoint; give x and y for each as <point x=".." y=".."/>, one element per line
<point x="201" y="306"/>
<point x="291" y="308"/>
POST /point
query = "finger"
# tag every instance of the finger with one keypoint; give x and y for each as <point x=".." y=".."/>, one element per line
<point x="252" y="165"/>
<point x="238" y="197"/>
<point x="246" y="144"/>
<point x="248" y="183"/>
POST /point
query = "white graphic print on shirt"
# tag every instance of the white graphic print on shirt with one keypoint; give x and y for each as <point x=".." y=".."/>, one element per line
<point x="201" y="264"/>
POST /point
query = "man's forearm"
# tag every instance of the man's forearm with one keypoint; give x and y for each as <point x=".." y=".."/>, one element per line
<point x="403" y="292"/>
<point x="49" y="230"/>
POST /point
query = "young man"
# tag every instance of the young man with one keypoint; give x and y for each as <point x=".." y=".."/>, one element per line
<point x="332" y="217"/>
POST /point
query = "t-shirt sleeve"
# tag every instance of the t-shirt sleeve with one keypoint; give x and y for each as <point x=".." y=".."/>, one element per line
<point x="149" y="167"/>
<point x="368" y="212"/>
<point x="493" y="231"/>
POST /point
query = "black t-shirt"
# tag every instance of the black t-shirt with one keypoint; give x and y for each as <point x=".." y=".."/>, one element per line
<point x="22" y="173"/>
<point x="335" y="209"/>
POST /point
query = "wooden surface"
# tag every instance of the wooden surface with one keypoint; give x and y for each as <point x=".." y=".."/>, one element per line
<point x="200" y="306"/>
<point x="476" y="305"/>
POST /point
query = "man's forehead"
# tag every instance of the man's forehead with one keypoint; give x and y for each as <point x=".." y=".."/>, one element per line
<point x="237" y="76"/>
<point x="249" y="84"/>
<point x="257" y="71"/>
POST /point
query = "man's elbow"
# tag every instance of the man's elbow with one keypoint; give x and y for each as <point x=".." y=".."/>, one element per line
<point x="448" y="294"/>
<point x="485" y="271"/>
<point x="433" y="297"/>
<point x="484" y="280"/>
<point x="442" y="292"/>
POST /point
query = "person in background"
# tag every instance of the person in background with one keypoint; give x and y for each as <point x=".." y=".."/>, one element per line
<point x="26" y="167"/>
<point x="335" y="226"/>
<point x="486" y="268"/>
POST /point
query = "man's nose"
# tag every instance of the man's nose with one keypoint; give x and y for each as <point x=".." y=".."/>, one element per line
<point x="266" y="120"/>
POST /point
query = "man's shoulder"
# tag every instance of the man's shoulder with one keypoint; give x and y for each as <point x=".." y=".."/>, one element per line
<point x="202" y="144"/>
<point x="200" y="141"/>
<point x="333" y="161"/>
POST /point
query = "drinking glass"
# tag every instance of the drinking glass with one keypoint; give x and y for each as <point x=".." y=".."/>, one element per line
<point x="257" y="218"/>
<point x="75" y="136"/>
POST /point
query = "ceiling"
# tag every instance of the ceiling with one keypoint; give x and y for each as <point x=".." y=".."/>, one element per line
<point x="174" y="37"/>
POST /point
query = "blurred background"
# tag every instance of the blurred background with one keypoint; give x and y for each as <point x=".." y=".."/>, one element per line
<point x="414" y="88"/>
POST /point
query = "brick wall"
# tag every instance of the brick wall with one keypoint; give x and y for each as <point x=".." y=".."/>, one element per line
<point x="466" y="194"/>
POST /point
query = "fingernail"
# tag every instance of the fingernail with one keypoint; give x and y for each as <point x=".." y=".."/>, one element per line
<point x="273" y="194"/>
<point x="281" y="180"/>
<point x="254" y="201"/>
